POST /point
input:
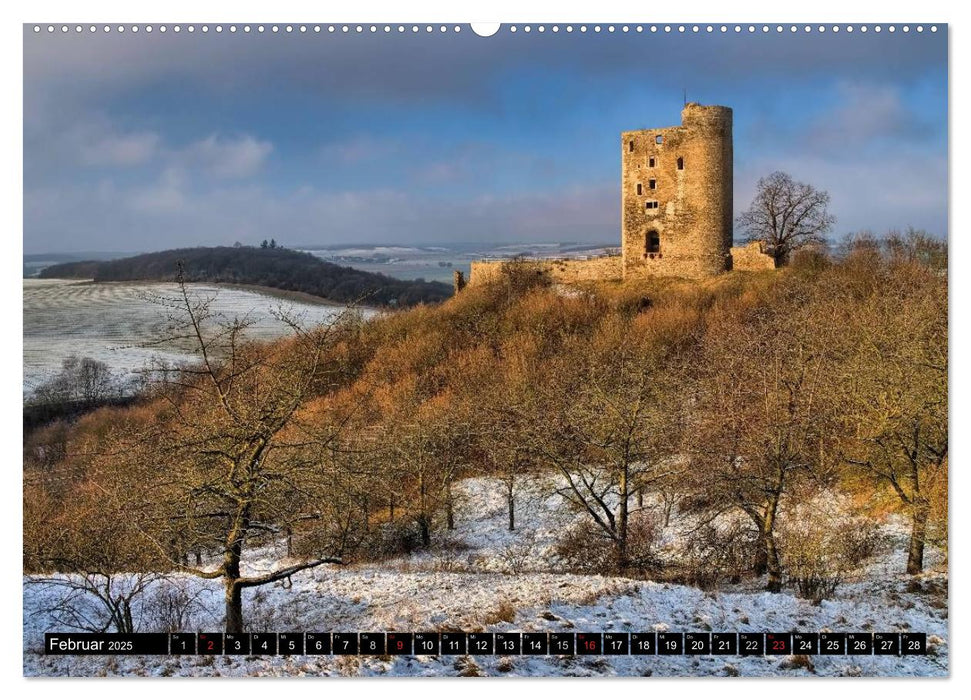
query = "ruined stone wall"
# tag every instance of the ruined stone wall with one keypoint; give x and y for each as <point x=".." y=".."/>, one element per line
<point x="752" y="257"/>
<point x="687" y="171"/>
<point x="559" y="270"/>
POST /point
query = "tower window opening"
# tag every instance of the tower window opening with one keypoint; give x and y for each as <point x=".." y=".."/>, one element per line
<point x="680" y="163"/>
<point x="653" y="242"/>
<point x="651" y="204"/>
<point x="650" y="163"/>
<point x="639" y="188"/>
<point x="630" y="146"/>
<point x="652" y="184"/>
<point x="658" y="139"/>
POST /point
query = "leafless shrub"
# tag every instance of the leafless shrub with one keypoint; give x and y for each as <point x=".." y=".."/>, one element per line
<point x="450" y="555"/>
<point x="519" y="554"/>
<point x="585" y="549"/>
<point x="263" y="615"/>
<point x="643" y="539"/>
<point x="95" y="601"/>
<point x="506" y="612"/>
<point x="172" y="606"/>
<point x="467" y="667"/>
<point x="820" y="553"/>
<point x="392" y="539"/>
<point x="716" y="554"/>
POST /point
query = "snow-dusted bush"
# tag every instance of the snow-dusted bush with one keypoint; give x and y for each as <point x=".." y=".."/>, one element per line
<point x="718" y="552"/>
<point x="519" y="554"/>
<point x="450" y="555"/>
<point x="822" y="544"/>
<point x="94" y="601"/>
<point x="585" y="549"/>
<point x="172" y="605"/>
<point x="391" y="540"/>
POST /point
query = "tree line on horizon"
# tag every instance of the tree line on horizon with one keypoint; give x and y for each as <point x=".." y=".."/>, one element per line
<point x="266" y="266"/>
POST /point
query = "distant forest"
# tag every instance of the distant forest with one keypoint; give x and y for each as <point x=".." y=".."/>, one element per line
<point x="288" y="270"/>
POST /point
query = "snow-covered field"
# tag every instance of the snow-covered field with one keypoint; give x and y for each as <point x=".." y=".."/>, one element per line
<point x="112" y="322"/>
<point x="460" y="584"/>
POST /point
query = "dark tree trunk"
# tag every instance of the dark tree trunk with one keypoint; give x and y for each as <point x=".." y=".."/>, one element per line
<point x="761" y="563"/>
<point x="234" y="606"/>
<point x="423" y="526"/>
<point x="231" y="575"/>
<point x="121" y="617"/>
<point x="623" y="519"/>
<point x="423" y="519"/>
<point x="773" y="564"/>
<point x="918" y="537"/>
<point x="620" y="547"/>
<point x="668" y="507"/>
<point x="129" y="624"/>
<point x="449" y="506"/>
<point x="511" y="503"/>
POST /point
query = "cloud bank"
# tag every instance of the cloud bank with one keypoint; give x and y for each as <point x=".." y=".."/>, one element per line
<point x="142" y="142"/>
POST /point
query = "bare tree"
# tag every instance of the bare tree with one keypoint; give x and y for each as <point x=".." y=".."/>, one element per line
<point x="82" y="380"/>
<point x="786" y="215"/>
<point x="607" y="421"/>
<point x="234" y="458"/>
<point x="893" y="382"/>
<point x="500" y="430"/>
<point x="97" y="601"/>
<point x="507" y="459"/>
<point x="760" y="423"/>
<point x="422" y="453"/>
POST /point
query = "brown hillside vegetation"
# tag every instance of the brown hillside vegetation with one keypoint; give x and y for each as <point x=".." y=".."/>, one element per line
<point x="745" y="393"/>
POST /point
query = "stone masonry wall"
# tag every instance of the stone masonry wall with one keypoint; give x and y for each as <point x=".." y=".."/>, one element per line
<point x="752" y="257"/>
<point x="559" y="270"/>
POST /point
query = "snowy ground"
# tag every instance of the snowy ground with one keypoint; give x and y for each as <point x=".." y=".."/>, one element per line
<point x="461" y="586"/>
<point x="113" y="322"/>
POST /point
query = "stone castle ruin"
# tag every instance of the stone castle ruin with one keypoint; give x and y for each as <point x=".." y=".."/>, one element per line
<point x="676" y="207"/>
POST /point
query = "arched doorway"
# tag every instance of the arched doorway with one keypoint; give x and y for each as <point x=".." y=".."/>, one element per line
<point x="652" y="242"/>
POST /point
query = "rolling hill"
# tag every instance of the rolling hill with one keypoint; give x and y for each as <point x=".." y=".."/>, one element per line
<point x="279" y="268"/>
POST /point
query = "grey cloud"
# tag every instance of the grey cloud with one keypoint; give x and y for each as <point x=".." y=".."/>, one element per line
<point x="194" y="190"/>
<point x="462" y="68"/>
<point x="866" y="112"/>
<point x="62" y="141"/>
<point x="166" y="196"/>
<point x="92" y="140"/>
<point x="238" y="157"/>
<point x="167" y="213"/>
<point x="123" y="150"/>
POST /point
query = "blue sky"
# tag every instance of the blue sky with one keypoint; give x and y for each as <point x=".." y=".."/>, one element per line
<point x="151" y="141"/>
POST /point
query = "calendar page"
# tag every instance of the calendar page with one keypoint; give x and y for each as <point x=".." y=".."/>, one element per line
<point x="524" y="349"/>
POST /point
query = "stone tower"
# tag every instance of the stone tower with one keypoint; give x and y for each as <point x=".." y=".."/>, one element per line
<point x="676" y="196"/>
